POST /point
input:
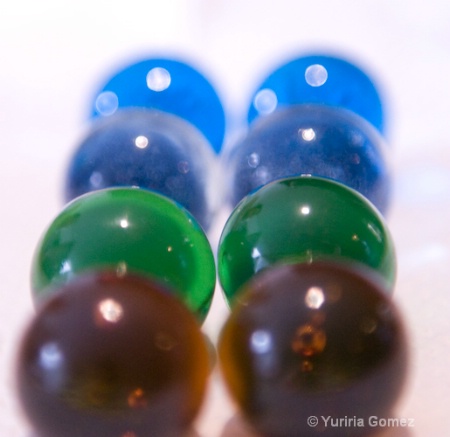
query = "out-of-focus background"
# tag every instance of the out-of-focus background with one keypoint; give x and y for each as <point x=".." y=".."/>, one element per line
<point x="53" y="54"/>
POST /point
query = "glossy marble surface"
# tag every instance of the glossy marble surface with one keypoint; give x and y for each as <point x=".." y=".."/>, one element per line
<point x="148" y="149"/>
<point x="318" y="340"/>
<point x="311" y="139"/>
<point x="112" y="356"/>
<point x="170" y="85"/>
<point x="302" y="219"/>
<point x="55" y="57"/>
<point x="128" y="230"/>
<point x="322" y="79"/>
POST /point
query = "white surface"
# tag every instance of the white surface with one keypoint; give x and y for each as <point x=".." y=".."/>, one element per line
<point x="54" y="53"/>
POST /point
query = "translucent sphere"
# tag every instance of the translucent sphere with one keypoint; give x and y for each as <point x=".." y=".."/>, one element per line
<point x="168" y="85"/>
<point x="128" y="230"/>
<point x="311" y="139"/>
<point x="303" y="219"/>
<point x="319" y="79"/>
<point x="112" y="355"/>
<point x="309" y="342"/>
<point x="148" y="149"/>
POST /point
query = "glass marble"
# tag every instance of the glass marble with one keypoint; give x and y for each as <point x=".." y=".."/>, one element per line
<point x="321" y="339"/>
<point x="112" y="356"/>
<point x="303" y="219"/>
<point x="169" y="85"/>
<point x="128" y="230"/>
<point x="321" y="79"/>
<point x="311" y="139"/>
<point x="148" y="149"/>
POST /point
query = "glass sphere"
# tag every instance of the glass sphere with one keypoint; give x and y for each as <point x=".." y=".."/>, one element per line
<point x="314" y="341"/>
<point x="147" y="149"/>
<point x="127" y="230"/>
<point x="321" y="79"/>
<point x="302" y="219"/>
<point x="311" y="139"/>
<point x="169" y="85"/>
<point x="112" y="356"/>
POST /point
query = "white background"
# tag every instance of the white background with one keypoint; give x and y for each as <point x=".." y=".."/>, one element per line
<point x="54" y="53"/>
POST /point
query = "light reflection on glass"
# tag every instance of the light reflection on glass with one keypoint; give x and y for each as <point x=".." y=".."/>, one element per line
<point x="253" y="160"/>
<point x="107" y="103"/>
<point x="305" y="210"/>
<point x="137" y="399"/>
<point x="316" y="75"/>
<point x="50" y="356"/>
<point x="96" y="179"/>
<point x="314" y="298"/>
<point x="256" y="253"/>
<point x="309" y="340"/>
<point x="368" y="325"/>
<point x="110" y="310"/>
<point x="265" y="101"/>
<point x="158" y="79"/>
<point x="141" y="142"/>
<point x="261" y="342"/>
<point x="356" y="138"/>
<point x="306" y="366"/>
<point x="259" y="262"/>
<point x="375" y="231"/>
<point x="308" y="134"/>
<point x="124" y="223"/>
<point x="66" y="267"/>
<point x="121" y="269"/>
<point x="263" y="174"/>
<point x="183" y="167"/>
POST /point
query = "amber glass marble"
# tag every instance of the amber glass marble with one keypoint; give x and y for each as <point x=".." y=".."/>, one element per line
<point x="112" y="356"/>
<point x="128" y="230"/>
<point x="303" y="219"/>
<point x="321" y="340"/>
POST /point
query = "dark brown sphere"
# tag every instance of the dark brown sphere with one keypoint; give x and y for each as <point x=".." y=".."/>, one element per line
<point x="112" y="356"/>
<point x="320" y="340"/>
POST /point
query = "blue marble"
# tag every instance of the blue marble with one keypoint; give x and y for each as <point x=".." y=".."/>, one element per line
<point x="149" y="149"/>
<point x="319" y="79"/>
<point x="168" y="85"/>
<point x="311" y="139"/>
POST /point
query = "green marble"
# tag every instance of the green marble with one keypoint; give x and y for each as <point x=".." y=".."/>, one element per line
<point x="303" y="219"/>
<point x="127" y="230"/>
